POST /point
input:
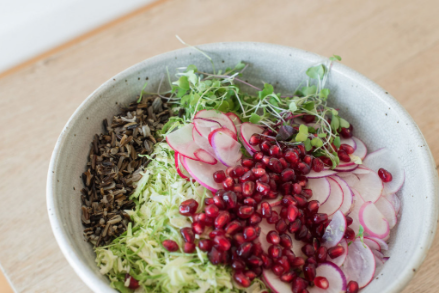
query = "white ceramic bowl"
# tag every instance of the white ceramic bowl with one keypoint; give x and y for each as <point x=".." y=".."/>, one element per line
<point x="379" y="120"/>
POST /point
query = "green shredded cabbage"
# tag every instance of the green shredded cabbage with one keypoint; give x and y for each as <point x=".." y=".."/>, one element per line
<point x="139" y="251"/>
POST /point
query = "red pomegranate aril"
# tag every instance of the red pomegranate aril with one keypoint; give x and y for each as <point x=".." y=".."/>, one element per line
<point x="272" y="195"/>
<point x="248" y="176"/>
<point x="286" y="188"/>
<point x="257" y="271"/>
<point x="265" y="147"/>
<point x="266" y="261"/>
<point x="335" y="251"/>
<point x="288" y="175"/>
<point x="284" y="213"/>
<point x="241" y="279"/>
<point x="308" y="250"/>
<point x="238" y="265"/>
<point x="215" y="256"/>
<point x="273" y="218"/>
<point x="222" y="219"/>
<point x="313" y="206"/>
<point x="189" y="247"/>
<point x="307" y="159"/>
<point x="170" y="245"/>
<point x="211" y="210"/>
<point x="205" y="244"/>
<point x="228" y="183"/>
<point x="284" y="163"/>
<point x="233" y="227"/>
<point x="221" y="243"/>
<point x="208" y="201"/>
<point x="297" y="188"/>
<point x="288" y="276"/>
<point x="187" y="234"/>
<point x="275" y="165"/>
<point x="277" y="269"/>
<point x="198" y="227"/>
<point x="188" y="207"/>
<point x="258" y="197"/>
<point x="275" y="251"/>
<point x="292" y="158"/>
<point x="259" y="172"/>
<point x="385" y="175"/>
<point x="218" y="232"/>
<point x="321" y="282"/>
<point x="257" y="249"/>
<point x="306" y="193"/>
<point x="292" y="213"/>
<point x="248" y="188"/>
<point x="346" y="132"/>
<point x="349" y="220"/>
<point x="238" y="239"/>
<point x="347" y="149"/>
<point x="245" y="249"/>
<point x="219" y="202"/>
<point x="309" y="270"/>
<point x="237" y="171"/>
<point x="237" y="189"/>
<point x="299" y="285"/>
<point x="249" y="201"/>
<point x="295" y="226"/>
<point x="319" y="218"/>
<point x="254" y="261"/>
<point x="258" y="230"/>
<point x="304" y="168"/>
<point x="352" y="287"/>
<point x="286" y="241"/>
<point x="264" y="162"/>
<point x="273" y="237"/>
<point x="264" y="179"/>
<point x="301" y="201"/>
<point x="245" y="212"/>
<point x="134" y="284"/>
<point x="255" y="139"/>
<point x="349" y="234"/>
<point x="319" y="230"/>
<point x="262" y="188"/>
<point x="265" y="209"/>
<point x="301" y="149"/>
<point x="250" y="233"/>
<point x="326" y="161"/>
<point x="302" y="180"/>
<point x="322" y="254"/>
<point x="230" y="199"/>
<point x="219" y="176"/>
<point x="275" y="177"/>
<point x="317" y="165"/>
<point x="251" y="275"/>
<point x="308" y="237"/>
<point x="228" y="171"/>
<point x="301" y="234"/>
<point x="283" y="261"/>
<point x="281" y="226"/>
<point x="247" y="162"/>
<point x="297" y="262"/>
<point x="257" y="156"/>
<point x="255" y="219"/>
<point x="288" y="200"/>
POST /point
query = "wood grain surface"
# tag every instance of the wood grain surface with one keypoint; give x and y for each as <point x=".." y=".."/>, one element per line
<point x="395" y="43"/>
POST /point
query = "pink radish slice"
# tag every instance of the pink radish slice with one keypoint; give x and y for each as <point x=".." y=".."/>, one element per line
<point x="360" y="264"/>
<point x="350" y="178"/>
<point x="372" y="244"/>
<point x="388" y="211"/>
<point x="235" y="119"/>
<point x="355" y="213"/>
<point x="369" y="186"/>
<point x="248" y="149"/>
<point x="361" y="149"/>
<point x="334" y="275"/>
<point x="322" y="174"/>
<point x="205" y="157"/>
<point x="335" y="231"/>
<point x="361" y="170"/>
<point x="377" y="253"/>
<point x="394" y="200"/>
<point x="373" y="222"/>
<point x="381" y="242"/>
<point x="247" y="130"/>
<point x="203" y="173"/>
<point x="335" y="199"/>
<point x="348" y="196"/>
<point x="227" y="150"/>
<point x="341" y="259"/>
<point x="224" y="131"/>
<point x="181" y="141"/>
<point x="379" y="263"/>
<point x="346" y="168"/>
<point x="274" y="283"/>
<point x="384" y="158"/>
<point x="202" y="142"/>
<point x="321" y="189"/>
<point x="207" y="120"/>
<point x="349" y="141"/>
<point x="179" y="167"/>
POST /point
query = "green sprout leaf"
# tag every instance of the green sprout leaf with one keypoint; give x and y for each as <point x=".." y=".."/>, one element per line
<point x="335" y="58"/>
<point x="344" y="123"/>
<point x="268" y="90"/>
<point x="317" y="142"/>
<point x="316" y="72"/>
<point x="292" y="107"/>
<point x="335" y="123"/>
<point x="322" y="135"/>
<point x="336" y="142"/>
<point x="192" y="68"/>
<point x="308" y="106"/>
<point x="308" y="145"/>
<point x="141" y="93"/>
<point x="309" y="90"/>
<point x="240" y="66"/>
<point x="301" y="136"/>
<point x="183" y="83"/>
<point x="324" y="93"/>
<point x="255" y="118"/>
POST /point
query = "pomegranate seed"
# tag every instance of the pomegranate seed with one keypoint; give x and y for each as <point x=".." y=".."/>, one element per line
<point x="284" y="163"/>
<point x="255" y="139"/>
<point x="251" y="275"/>
<point x="265" y="209"/>
<point x="275" y="251"/>
<point x="257" y="249"/>
<point x="301" y="234"/>
<point x="286" y="188"/>
<point x="301" y="149"/>
<point x="297" y="262"/>
<point x="246" y="162"/>
<point x="233" y="227"/>
<point x="352" y="287"/>
<point x="258" y="197"/>
<point x="284" y="212"/>
<point x="238" y="265"/>
<point x="326" y="161"/>
<point x="255" y="219"/>
<point x="349" y="220"/>
<point x="245" y="249"/>
<point x="275" y="151"/>
<point x="278" y="270"/>
<point x="273" y="218"/>
<point x="308" y="250"/>
<point x="189" y="247"/>
<point x="238" y="238"/>
<point x="258" y="230"/>
<point x="285" y="241"/>
<point x="228" y="183"/>
<point x="259" y="172"/>
<point x="257" y="156"/>
<point x="222" y="220"/>
<point x="170" y="245"/>
<point x="297" y="188"/>
<point x="335" y="251"/>
<point x="299" y="285"/>
<point x="306" y="193"/>
<point x="288" y="200"/>
<point x="219" y="202"/>
<point x="349" y="234"/>
<point x="198" y="227"/>
<point x="309" y="270"/>
<point x="292" y="212"/>
<point x="322" y="253"/>
<point x="262" y="188"/>
<point x="230" y="199"/>
<point x="295" y="226"/>
<point x="266" y="261"/>
<point x="187" y="234"/>
<point x="313" y="206"/>
<point x="250" y="233"/>
<point x="245" y="212"/>
<point x="211" y="210"/>
<point x="385" y="175"/>
<point x="265" y="147"/>
<point x="301" y="201"/>
<point x="258" y="271"/>
<point x="248" y="176"/>
<point x="237" y="171"/>
<point x="237" y="189"/>
<point x="275" y="177"/>
<point x="248" y="188"/>
<point x="317" y="165"/>
<point x="283" y="261"/>
<point x="281" y="226"/>
<point x="188" y="207"/>
<point x="265" y="161"/>
<point x="307" y="159"/>
<point x="292" y="158"/>
<point x="304" y="168"/>
<point x="254" y="261"/>
<point x="201" y="217"/>
<point x="288" y="175"/>
<point x="319" y="230"/>
<point x="250" y="202"/>
<point x="343" y="156"/>
<point x="288" y="276"/>
<point x="273" y="237"/>
<point x="347" y="149"/>
<point x="134" y="284"/>
<point x="219" y="176"/>
<point x="346" y="132"/>
<point x="264" y="179"/>
<point x="302" y="180"/>
<point x="321" y="282"/>
<point x="208" y="201"/>
<point x="272" y="194"/>
<point x="241" y="279"/>
<point x="228" y="171"/>
<point x="216" y="233"/>
<point x="320" y="218"/>
<point x="221" y="243"/>
<point x="215" y="256"/>
<point x="275" y="165"/>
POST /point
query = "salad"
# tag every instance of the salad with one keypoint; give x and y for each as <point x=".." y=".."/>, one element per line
<point x="264" y="192"/>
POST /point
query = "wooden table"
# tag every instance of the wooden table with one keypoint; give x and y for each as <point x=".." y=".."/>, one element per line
<point x="393" y="42"/>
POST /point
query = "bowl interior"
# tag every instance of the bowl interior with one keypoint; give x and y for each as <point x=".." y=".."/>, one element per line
<point x="378" y="120"/>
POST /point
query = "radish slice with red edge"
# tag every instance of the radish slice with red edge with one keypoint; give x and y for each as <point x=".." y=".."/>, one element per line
<point x="247" y="130"/>
<point x="335" y="199"/>
<point x="381" y="242"/>
<point x="207" y="120"/>
<point x="205" y="157"/>
<point x="361" y="149"/>
<point x="227" y="150"/>
<point x="181" y="141"/>
<point x="369" y="186"/>
<point x="202" y="142"/>
<point x="223" y="130"/>
<point x="334" y="232"/>
<point x="334" y="275"/>
<point x="350" y="178"/>
<point x="384" y="158"/>
<point x="388" y="211"/>
<point x="237" y="121"/>
<point x="394" y="200"/>
<point x="360" y="264"/>
<point x="274" y="283"/>
<point x="355" y="213"/>
<point x="361" y="170"/>
<point x="180" y="168"/>
<point x="203" y="173"/>
<point x="348" y="196"/>
<point x="373" y="222"/>
<point x="321" y="189"/>
<point x="372" y="244"/>
<point x="322" y="174"/>
<point x="341" y="259"/>
<point x="346" y="168"/>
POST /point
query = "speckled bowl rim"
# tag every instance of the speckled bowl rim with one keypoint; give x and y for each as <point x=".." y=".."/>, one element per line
<point x="97" y="285"/>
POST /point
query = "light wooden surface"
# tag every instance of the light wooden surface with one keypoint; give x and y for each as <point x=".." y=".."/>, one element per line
<point x="393" y="42"/>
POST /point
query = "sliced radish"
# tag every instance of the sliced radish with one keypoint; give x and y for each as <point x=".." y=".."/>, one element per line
<point x="361" y="149"/>
<point x="341" y="259"/>
<point x="355" y="213"/>
<point x="334" y="275"/>
<point x="335" y="199"/>
<point x="203" y="173"/>
<point x="361" y="170"/>
<point x="349" y="141"/>
<point x="181" y="141"/>
<point x="360" y="264"/>
<point x="381" y="242"/>
<point x="321" y="189"/>
<point x="248" y="149"/>
<point x="369" y="186"/>
<point x="324" y="173"/>
<point x="346" y="168"/>
<point x="373" y="222"/>
<point x="235" y="118"/>
<point x="227" y="149"/>
<point x="205" y="157"/>
<point x="207" y="120"/>
<point x="202" y="142"/>
<point x="348" y="196"/>
<point x="350" y="178"/>
<point x="379" y="263"/>
<point x="388" y="211"/>
<point x="384" y="158"/>
<point x="274" y="283"/>
<point x="334" y="232"/>
<point x="247" y="130"/>
<point x="372" y="244"/>
<point x="395" y="201"/>
<point x="224" y="131"/>
<point x="377" y="253"/>
<point x="179" y="167"/>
